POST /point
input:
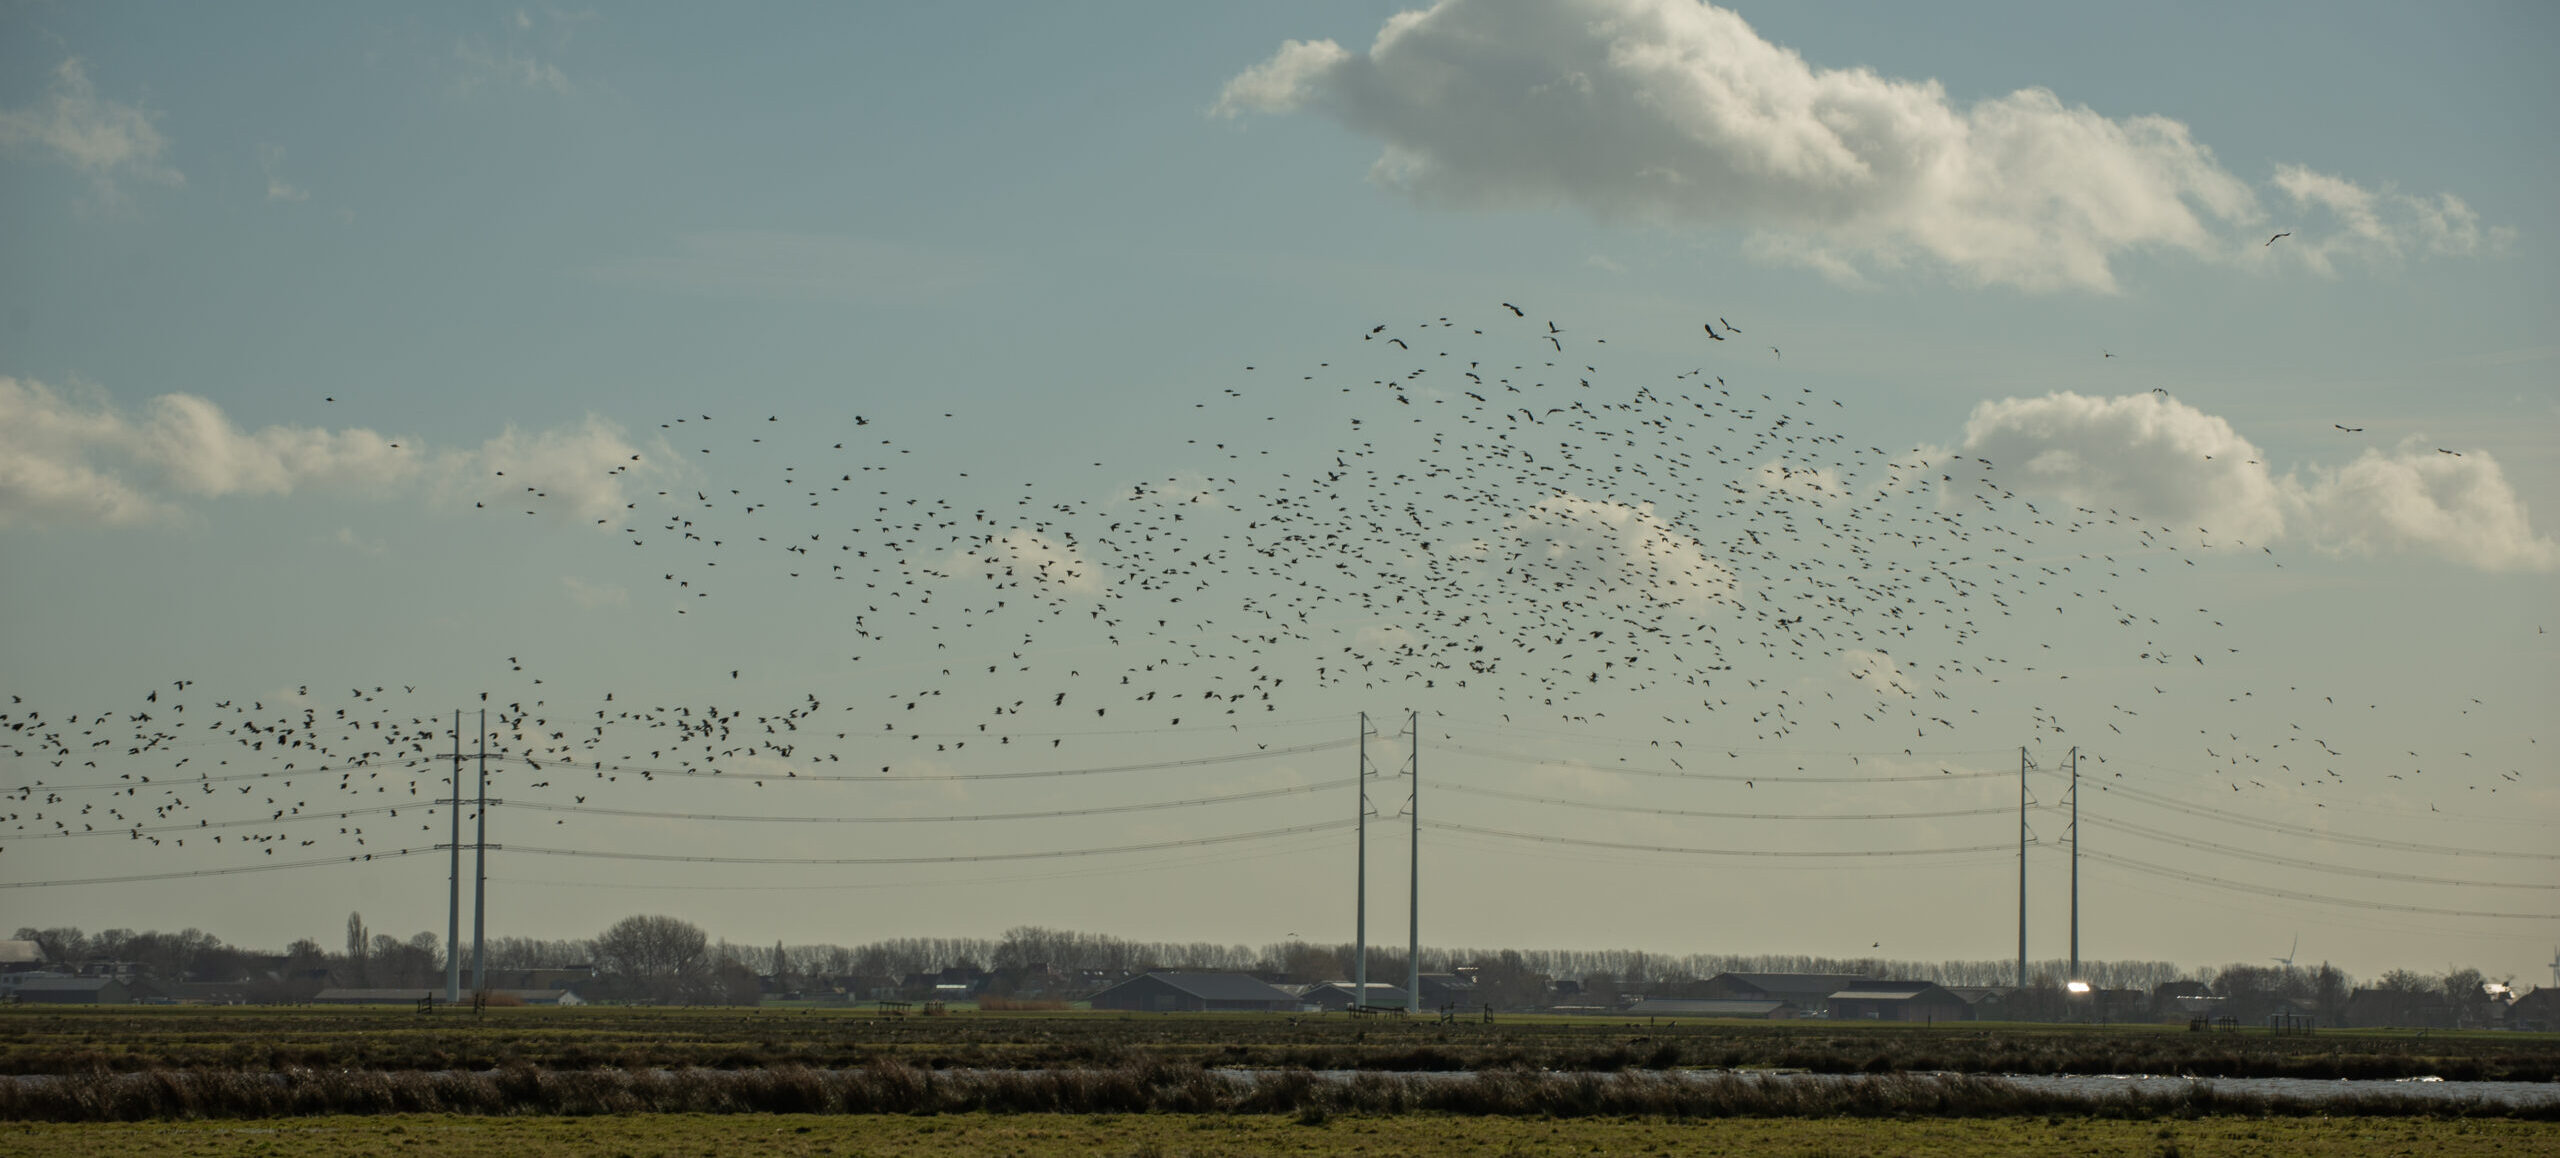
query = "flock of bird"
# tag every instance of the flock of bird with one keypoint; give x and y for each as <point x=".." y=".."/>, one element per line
<point x="1477" y="518"/>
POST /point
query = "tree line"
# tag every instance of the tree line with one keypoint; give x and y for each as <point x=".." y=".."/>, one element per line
<point x="653" y="957"/>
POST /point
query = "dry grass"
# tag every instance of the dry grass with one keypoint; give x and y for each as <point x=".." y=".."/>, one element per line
<point x="1173" y="1136"/>
<point x="63" y="1041"/>
<point x="1154" y="1088"/>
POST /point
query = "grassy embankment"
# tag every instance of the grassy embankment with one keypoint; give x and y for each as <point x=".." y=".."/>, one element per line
<point x="1167" y="1136"/>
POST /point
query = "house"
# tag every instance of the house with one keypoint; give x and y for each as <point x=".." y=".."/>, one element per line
<point x="1809" y="991"/>
<point x="2538" y="1010"/>
<point x="1196" y="993"/>
<point x="1458" y="989"/>
<point x="1336" y="996"/>
<point x="2394" y="1007"/>
<point x="1692" y="1007"/>
<point x="56" y="990"/>
<point x="1898" y="1001"/>
<point x="1989" y="1002"/>
<point x="21" y="957"/>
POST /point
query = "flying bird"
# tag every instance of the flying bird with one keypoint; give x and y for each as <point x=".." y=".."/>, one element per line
<point x="2273" y="240"/>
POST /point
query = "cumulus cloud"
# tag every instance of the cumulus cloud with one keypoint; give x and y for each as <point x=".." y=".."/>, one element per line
<point x="1025" y="555"/>
<point x="1674" y="111"/>
<point x="577" y="471"/>
<point x="110" y="141"/>
<point x="2381" y="225"/>
<point x="484" y="65"/>
<point x="2417" y="500"/>
<point x="1811" y="483"/>
<point x="271" y="163"/>
<point x="2156" y="457"/>
<point x="2142" y="453"/>
<point x="84" y="459"/>
<point x="1877" y="671"/>
<point x="595" y="596"/>
<point x="1571" y="544"/>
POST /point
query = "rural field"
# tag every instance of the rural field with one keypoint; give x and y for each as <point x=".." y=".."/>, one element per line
<point x="1172" y="1135"/>
<point x="642" y="1081"/>
<point x="256" y="1038"/>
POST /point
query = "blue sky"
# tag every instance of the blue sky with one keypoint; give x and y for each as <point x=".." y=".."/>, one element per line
<point x="524" y="238"/>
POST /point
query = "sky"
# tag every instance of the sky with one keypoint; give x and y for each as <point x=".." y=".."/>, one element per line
<point x="343" y="348"/>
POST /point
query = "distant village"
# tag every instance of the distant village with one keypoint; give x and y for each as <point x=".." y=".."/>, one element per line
<point x="662" y="960"/>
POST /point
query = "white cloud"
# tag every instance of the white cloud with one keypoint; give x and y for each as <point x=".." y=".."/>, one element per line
<point x="595" y="596"/>
<point x="109" y="141"/>
<point x="799" y="266"/>
<point x="1021" y="555"/>
<point x="2158" y="458"/>
<point x="347" y="538"/>
<point x="1812" y="483"/>
<point x="1877" y="671"/>
<point x="83" y="459"/>
<point x="2419" y="500"/>
<point x="1585" y="547"/>
<point x="1674" y="111"/>
<point x="270" y="162"/>
<point x="485" y="65"/>
<point x="2379" y="226"/>
<point x="575" y="471"/>
<point x="1384" y="638"/>
<point x="2140" y="453"/>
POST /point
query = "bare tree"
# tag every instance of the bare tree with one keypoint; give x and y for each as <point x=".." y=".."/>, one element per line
<point x="357" y="947"/>
<point x="658" y="957"/>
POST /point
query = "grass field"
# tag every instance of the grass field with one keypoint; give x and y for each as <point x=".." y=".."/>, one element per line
<point x="57" y="1040"/>
<point x="1172" y="1135"/>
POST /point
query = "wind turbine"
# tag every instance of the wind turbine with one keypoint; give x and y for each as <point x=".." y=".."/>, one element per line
<point x="2287" y="959"/>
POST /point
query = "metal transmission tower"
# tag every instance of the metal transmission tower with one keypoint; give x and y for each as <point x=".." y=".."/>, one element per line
<point x="1360" y="912"/>
<point x="453" y="898"/>
<point x="2075" y="864"/>
<point x="2022" y="867"/>
<point x="1413" y="881"/>
<point x="480" y="870"/>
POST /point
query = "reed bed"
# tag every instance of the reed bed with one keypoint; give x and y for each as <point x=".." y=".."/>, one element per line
<point x="36" y="1041"/>
<point x="1154" y="1088"/>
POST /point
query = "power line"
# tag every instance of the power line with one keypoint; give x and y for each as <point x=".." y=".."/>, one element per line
<point x="315" y="770"/>
<point x="221" y="872"/>
<point x="2315" y="898"/>
<point x="1562" y="802"/>
<point x="1587" y="738"/>
<point x="2296" y="862"/>
<point x="2316" y="834"/>
<point x="206" y="825"/>
<point x="973" y="858"/>
<point x="1684" y="774"/>
<point x="1144" y="806"/>
<point x="789" y="776"/>
<point x="1447" y="826"/>
<point x="1218" y="858"/>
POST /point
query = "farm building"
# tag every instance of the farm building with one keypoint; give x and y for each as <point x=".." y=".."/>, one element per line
<point x="1195" y="993"/>
<point x="1898" y="1001"/>
<point x="1335" y="996"/>
<point x="1805" y="990"/>
<point x="341" y="996"/>
<point x="2538" y="1010"/>
<point x="1686" y="1007"/>
<point x="20" y="956"/>
<point x="72" y="991"/>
